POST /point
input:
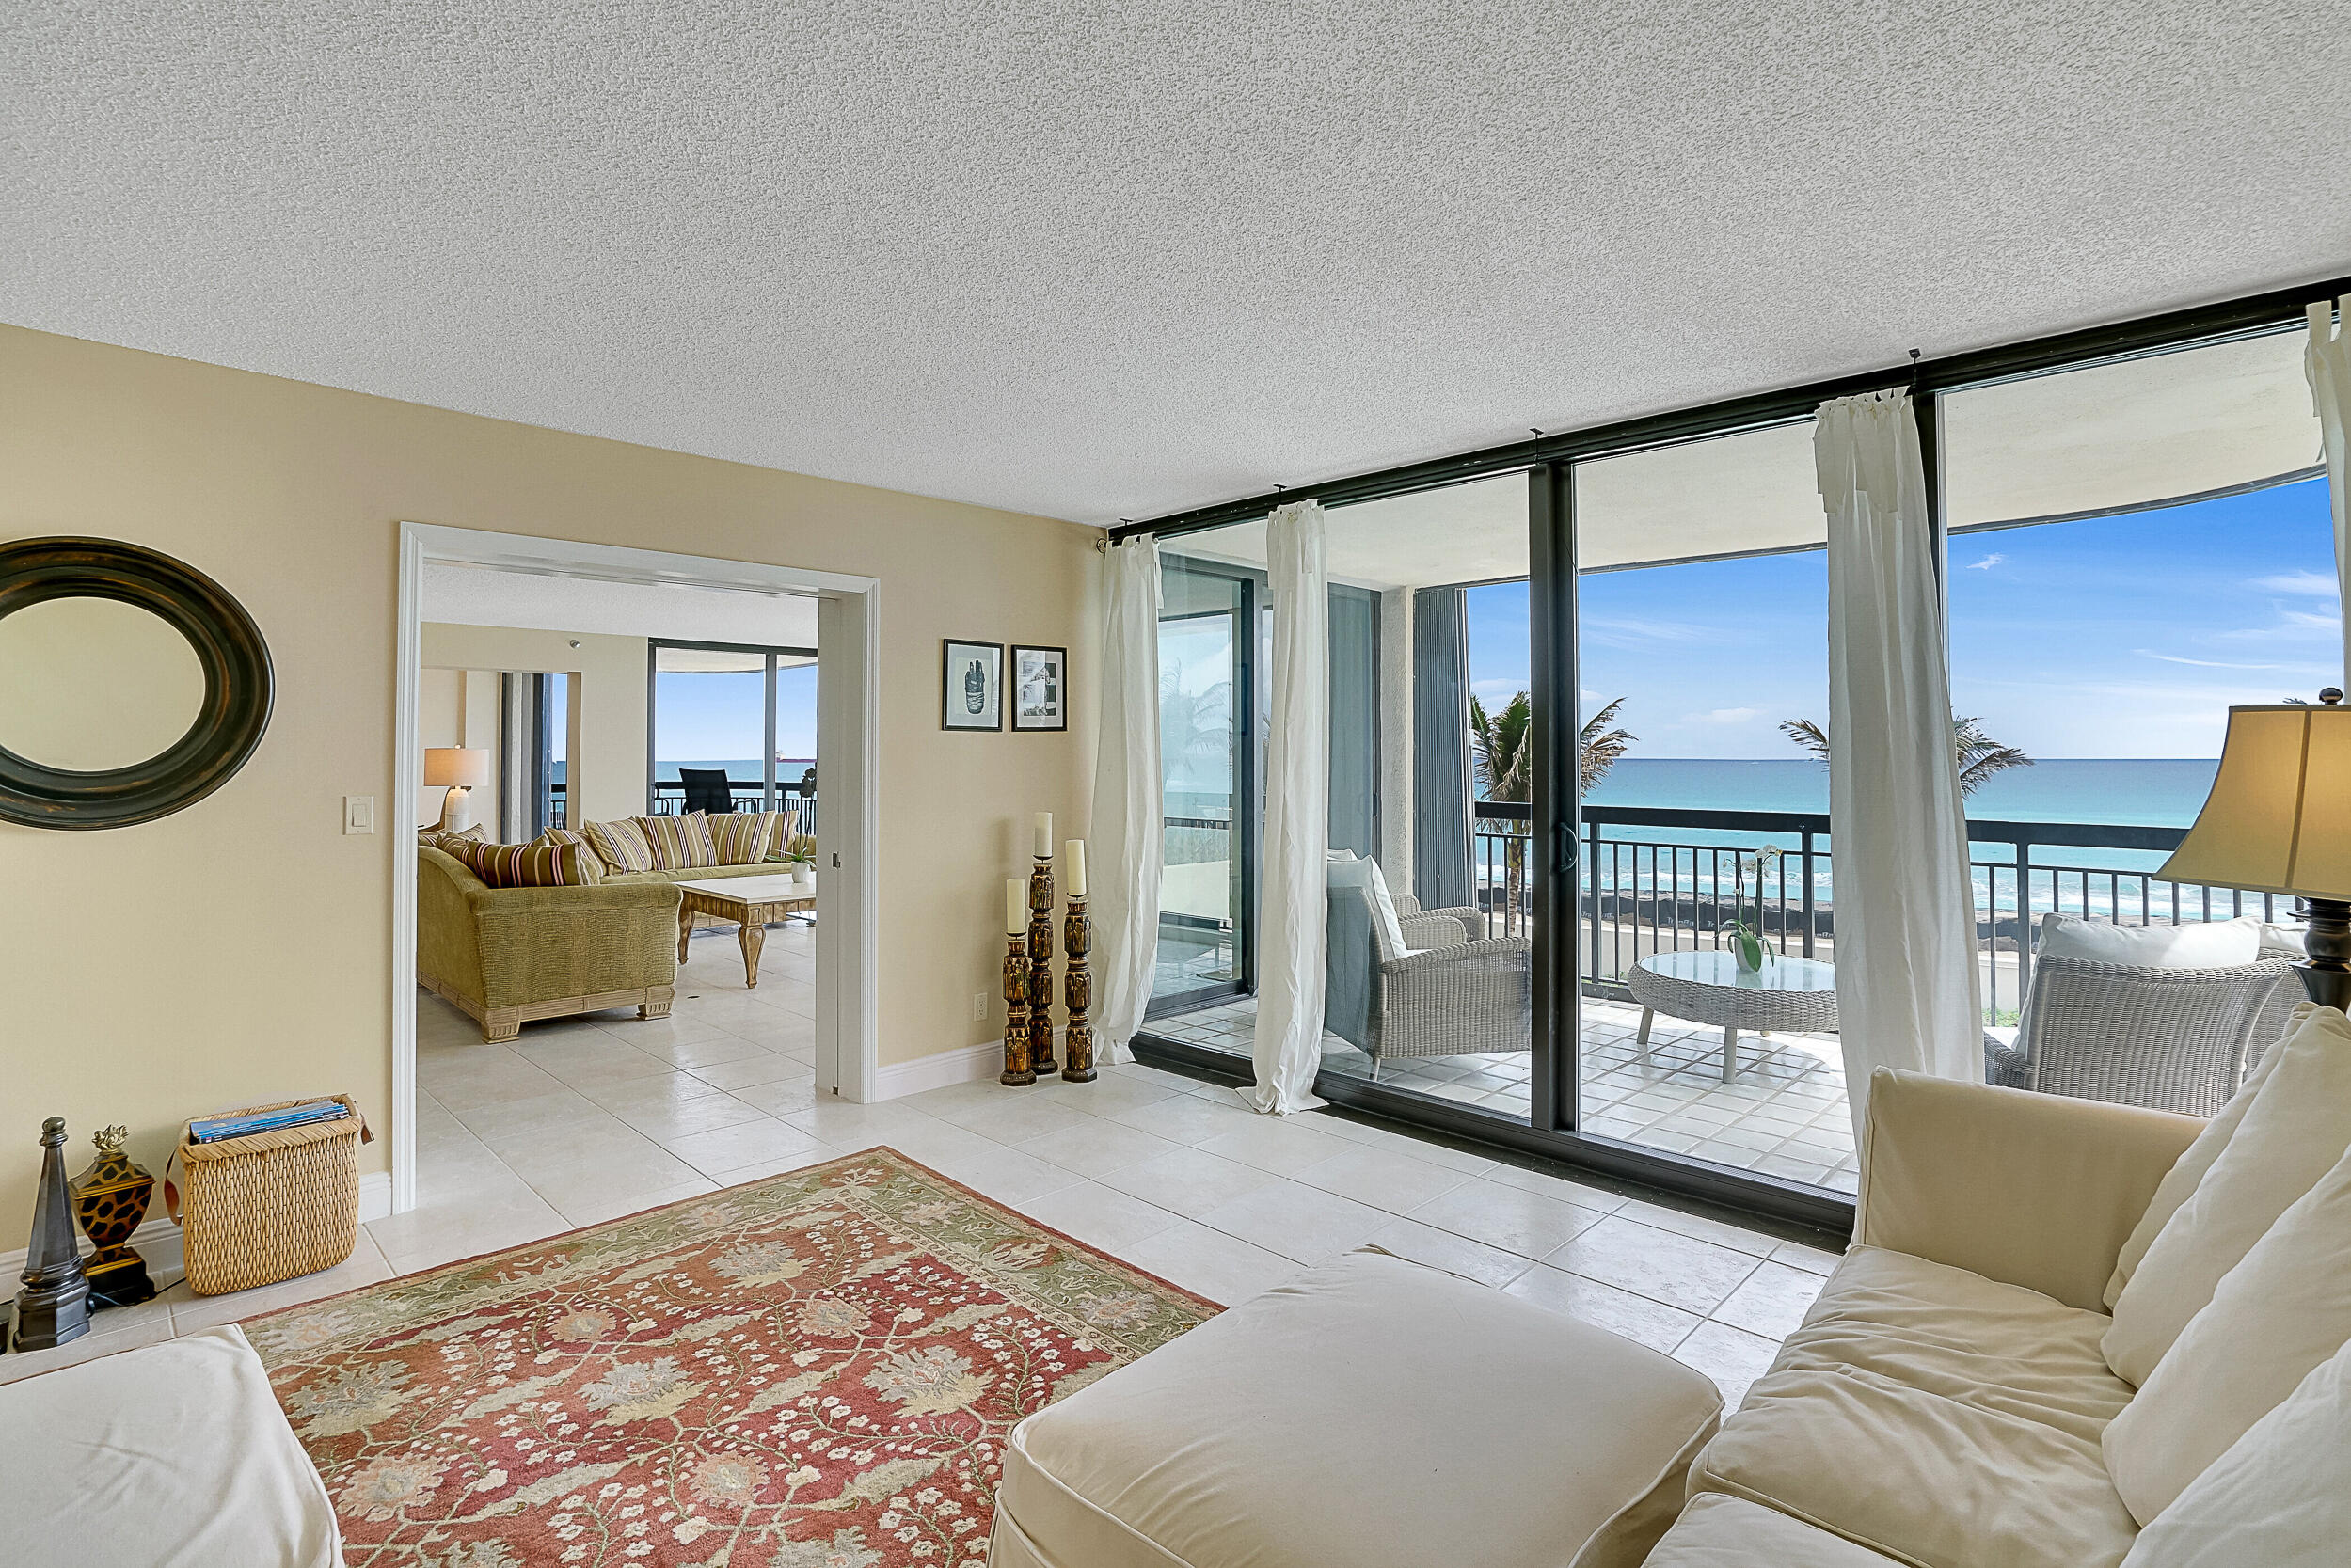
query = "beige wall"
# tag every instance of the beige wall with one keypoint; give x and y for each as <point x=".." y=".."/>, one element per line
<point x="608" y="778"/>
<point x="240" y="950"/>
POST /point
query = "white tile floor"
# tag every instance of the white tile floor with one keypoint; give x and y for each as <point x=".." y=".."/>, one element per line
<point x="588" y="1119"/>
<point x="1784" y="1112"/>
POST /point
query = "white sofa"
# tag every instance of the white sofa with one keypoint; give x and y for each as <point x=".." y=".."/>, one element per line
<point x="174" y="1455"/>
<point x="1943" y="1401"/>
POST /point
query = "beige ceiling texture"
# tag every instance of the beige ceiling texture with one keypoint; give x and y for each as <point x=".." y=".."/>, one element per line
<point x="1109" y="262"/>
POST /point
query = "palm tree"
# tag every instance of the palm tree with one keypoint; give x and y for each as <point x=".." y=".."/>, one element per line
<point x="1597" y="747"/>
<point x="1502" y="755"/>
<point x="1503" y="759"/>
<point x="1979" y="756"/>
<point x="1195" y="724"/>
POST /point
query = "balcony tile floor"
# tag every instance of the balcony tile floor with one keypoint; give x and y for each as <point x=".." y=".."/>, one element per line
<point x="1783" y="1114"/>
<point x="587" y="1119"/>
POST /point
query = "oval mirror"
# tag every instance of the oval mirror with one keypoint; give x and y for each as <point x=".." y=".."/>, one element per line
<point x="90" y="685"/>
<point x="131" y="685"/>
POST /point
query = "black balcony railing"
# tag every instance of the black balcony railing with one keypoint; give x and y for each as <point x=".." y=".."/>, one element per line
<point x="1663" y="880"/>
<point x="669" y="800"/>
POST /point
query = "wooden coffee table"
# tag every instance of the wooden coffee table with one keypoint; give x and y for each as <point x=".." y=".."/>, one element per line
<point x="750" y="902"/>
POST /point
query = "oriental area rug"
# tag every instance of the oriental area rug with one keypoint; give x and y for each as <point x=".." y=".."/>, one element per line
<point x="815" y="1371"/>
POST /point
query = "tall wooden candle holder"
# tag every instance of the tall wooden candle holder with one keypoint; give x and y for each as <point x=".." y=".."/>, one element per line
<point x="1040" y="964"/>
<point x="53" y="1306"/>
<point x="1077" y="935"/>
<point x="1018" y="1068"/>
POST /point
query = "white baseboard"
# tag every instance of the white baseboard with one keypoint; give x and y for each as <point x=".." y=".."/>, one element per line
<point x="159" y="1241"/>
<point x="974" y="1064"/>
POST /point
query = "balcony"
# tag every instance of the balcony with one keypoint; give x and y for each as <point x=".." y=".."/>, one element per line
<point x="1654" y="880"/>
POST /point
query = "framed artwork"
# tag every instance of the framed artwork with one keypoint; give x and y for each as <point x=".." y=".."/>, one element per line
<point x="971" y="685"/>
<point x="1041" y="688"/>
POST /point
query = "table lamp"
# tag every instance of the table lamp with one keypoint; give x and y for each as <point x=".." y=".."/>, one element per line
<point x="460" y="767"/>
<point x="2279" y="821"/>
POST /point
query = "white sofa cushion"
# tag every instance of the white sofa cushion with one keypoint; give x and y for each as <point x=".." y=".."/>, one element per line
<point x="172" y="1454"/>
<point x="2197" y="944"/>
<point x="2281" y="1497"/>
<point x="2275" y="1316"/>
<point x="2295" y="1127"/>
<point x="1718" y="1530"/>
<point x="1371" y="1412"/>
<point x="2189" y="1169"/>
<point x="1935" y="1416"/>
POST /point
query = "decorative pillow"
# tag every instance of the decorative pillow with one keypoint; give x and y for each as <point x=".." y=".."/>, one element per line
<point x="2194" y="1161"/>
<point x="622" y="846"/>
<point x="442" y="840"/>
<point x="2295" y="1127"/>
<point x="746" y="837"/>
<point x="2198" y="944"/>
<point x="1385" y="927"/>
<point x="679" y="843"/>
<point x="2280" y="1498"/>
<point x="533" y="864"/>
<point x="2284" y="1310"/>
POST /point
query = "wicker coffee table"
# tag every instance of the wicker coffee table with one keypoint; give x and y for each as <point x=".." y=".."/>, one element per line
<point x="1795" y="994"/>
<point x="750" y="902"/>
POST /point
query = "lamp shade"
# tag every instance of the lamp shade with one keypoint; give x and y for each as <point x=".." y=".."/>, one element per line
<point x="2278" y="817"/>
<point x="467" y="765"/>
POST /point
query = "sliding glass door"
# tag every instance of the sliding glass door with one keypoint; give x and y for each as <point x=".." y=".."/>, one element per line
<point x="1581" y="881"/>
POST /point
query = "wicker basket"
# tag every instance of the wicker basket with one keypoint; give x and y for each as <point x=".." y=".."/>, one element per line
<point x="273" y="1205"/>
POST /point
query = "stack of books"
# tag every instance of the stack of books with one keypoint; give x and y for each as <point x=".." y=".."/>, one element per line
<point x="239" y="1124"/>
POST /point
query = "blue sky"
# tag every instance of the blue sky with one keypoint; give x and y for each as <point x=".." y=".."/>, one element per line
<point x="717" y="717"/>
<point x="2116" y="637"/>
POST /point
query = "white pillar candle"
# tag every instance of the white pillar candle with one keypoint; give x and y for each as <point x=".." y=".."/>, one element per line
<point x="1073" y="867"/>
<point x="1015" y="906"/>
<point x="1044" y="836"/>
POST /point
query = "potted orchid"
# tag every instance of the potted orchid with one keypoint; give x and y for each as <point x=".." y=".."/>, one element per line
<point x="1746" y="940"/>
<point x="799" y="860"/>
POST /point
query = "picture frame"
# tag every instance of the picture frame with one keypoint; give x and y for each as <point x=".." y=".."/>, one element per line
<point x="1039" y="687"/>
<point x="971" y="685"/>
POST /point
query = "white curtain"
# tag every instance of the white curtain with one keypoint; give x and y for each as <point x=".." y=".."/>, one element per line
<point x="1291" y="901"/>
<point x="1124" y="857"/>
<point x="1906" y="985"/>
<point x="2329" y="361"/>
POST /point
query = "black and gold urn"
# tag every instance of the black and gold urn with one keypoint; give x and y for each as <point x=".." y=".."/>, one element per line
<point x="110" y="1200"/>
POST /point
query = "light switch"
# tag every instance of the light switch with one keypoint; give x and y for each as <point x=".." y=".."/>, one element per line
<point x="359" y="814"/>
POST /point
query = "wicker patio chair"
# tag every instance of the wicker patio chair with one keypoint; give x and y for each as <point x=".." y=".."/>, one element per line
<point x="1449" y="992"/>
<point x="2169" y="1040"/>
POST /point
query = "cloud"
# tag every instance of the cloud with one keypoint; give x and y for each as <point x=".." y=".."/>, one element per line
<point x="1498" y="689"/>
<point x="1724" y="716"/>
<point x="1637" y="632"/>
<point x="2318" y="585"/>
<point x="2291" y="626"/>
<point x="1986" y="563"/>
<point x="2206" y="663"/>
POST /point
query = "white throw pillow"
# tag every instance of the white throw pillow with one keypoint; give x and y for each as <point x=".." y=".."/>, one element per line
<point x="1365" y="874"/>
<point x="2284" y="1310"/>
<point x="2295" y="1127"/>
<point x="2198" y="944"/>
<point x="2281" y="1497"/>
<point x="2194" y="1161"/>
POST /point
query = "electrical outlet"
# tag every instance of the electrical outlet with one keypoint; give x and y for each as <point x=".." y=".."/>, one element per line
<point x="980" y="1006"/>
<point x="359" y="814"/>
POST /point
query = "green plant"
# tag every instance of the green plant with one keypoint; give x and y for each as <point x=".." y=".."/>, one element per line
<point x="1979" y="756"/>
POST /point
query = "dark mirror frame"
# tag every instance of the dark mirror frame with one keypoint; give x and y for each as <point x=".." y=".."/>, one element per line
<point x="239" y="684"/>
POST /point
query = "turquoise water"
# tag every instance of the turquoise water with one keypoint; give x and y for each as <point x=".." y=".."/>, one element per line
<point x="2162" y="792"/>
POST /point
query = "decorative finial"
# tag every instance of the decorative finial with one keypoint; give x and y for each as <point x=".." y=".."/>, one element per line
<point x="52" y="1132"/>
<point x="109" y="1139"/>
